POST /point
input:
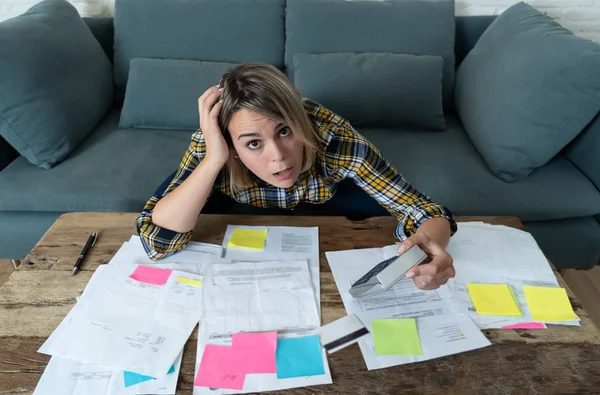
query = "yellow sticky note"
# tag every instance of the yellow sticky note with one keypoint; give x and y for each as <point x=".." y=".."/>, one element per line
<point x="189" y="281"/>
<point x="494" y="299"/>
<point x="548" y="304"/>
<point x="250" y="238"/>
<point x="396" y="336"/>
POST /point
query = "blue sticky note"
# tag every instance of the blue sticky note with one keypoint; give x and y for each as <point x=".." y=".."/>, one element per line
<point x="299" y="357"/>
<point x="131" y="378"/>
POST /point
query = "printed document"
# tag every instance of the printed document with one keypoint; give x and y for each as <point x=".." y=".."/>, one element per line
<point x="282" y="243"/>
<point x="441" y="330"/>
<point x="275" y="295"/>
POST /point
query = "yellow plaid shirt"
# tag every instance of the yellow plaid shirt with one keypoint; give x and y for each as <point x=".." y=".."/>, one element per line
<point x="342" y="153"/>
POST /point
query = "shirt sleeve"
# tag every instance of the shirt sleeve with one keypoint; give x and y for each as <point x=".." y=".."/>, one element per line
<point x="161" y="242"/>
<point x="358" y="159"/>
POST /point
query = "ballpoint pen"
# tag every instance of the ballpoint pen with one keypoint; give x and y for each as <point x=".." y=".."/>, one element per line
<point x="90" y="243"/>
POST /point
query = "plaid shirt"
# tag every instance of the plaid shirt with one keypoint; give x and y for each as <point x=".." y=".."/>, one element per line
<point x="342" y="153"/>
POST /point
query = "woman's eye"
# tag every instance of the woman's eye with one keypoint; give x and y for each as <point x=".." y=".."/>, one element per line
<point x="254" y="144"/>
<point x="285" y="132"/>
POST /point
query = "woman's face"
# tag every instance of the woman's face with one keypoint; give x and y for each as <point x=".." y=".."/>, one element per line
<point x="266" y="147"/>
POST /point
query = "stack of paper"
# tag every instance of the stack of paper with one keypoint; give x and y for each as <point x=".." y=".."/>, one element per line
<point x="391" y="316"/>
<point x="105" y="298"/>
<point x="267" y="281"/>
<point x="501" y="256"/>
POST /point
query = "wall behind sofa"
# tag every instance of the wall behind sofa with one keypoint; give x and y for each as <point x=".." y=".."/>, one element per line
<point x="580" y="16"/>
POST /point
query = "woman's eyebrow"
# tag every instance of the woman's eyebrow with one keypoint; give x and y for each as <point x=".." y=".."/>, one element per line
<point x="253" y="134"/>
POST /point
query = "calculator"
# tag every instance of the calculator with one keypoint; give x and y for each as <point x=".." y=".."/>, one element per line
<point x="387" y="273"/>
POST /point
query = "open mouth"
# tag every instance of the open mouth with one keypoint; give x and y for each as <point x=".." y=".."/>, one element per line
<point x="284" y="174"/>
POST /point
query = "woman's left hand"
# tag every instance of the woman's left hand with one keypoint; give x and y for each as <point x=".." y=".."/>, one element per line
<point x="430" y="275"/>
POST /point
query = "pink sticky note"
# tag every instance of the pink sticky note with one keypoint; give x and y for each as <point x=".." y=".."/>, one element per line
<point x="217" y="369"/>
<point x="526" y="325"/>
<point x="151" y="275"/>
<point x="255" y="352"/>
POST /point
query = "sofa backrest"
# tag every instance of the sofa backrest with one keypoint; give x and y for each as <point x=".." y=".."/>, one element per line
<point x="232" y="31"/>
<point x="467" y="31"/>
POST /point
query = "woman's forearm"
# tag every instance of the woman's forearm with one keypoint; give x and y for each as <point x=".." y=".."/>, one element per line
<point x="438" y="229"/>
<point x="179" y="210"/>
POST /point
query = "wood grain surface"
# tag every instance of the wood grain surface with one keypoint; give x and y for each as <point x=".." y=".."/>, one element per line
<point x="39" y="294"/>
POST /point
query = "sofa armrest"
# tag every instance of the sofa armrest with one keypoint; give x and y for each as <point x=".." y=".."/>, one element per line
<point x="7" y="153"/>
<point x="584" y="151"/>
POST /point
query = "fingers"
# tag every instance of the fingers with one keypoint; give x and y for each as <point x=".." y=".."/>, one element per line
<point x="216" y="110"/>
<point x="427" y="244"/>
<point x="207" y="101"/>
<point x="439" y="264"/>
<point x="427" y="282"/>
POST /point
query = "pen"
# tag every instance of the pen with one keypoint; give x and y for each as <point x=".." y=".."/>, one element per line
<point x="91" y="241"/>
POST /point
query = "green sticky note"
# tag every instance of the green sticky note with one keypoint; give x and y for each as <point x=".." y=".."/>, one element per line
<point x="249" y="238"/>
<point x="396" y="336"/>
<point x="494" y="299"/>
<point x="549" y="304"/>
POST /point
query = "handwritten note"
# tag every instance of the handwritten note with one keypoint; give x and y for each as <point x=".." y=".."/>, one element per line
<point x="189" y="281"/>
<point x="396" y="336"/>
<point x="526" y="325"/>
<point x="548" y="304"/>
<point x="255" y="352"/>
<point x="299" y="357"/>
<point x="218" y="369"/>
<point x="494" y="299"/>
<point x="151" y="275"/>
<point x="249" y="238"/>
<point x="131" y="378"/>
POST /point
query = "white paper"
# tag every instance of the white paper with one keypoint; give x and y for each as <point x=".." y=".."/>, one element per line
<point x="442" y="331"/>
<point x="259" y="296"/>
<point x="283" y="243"/>
<point x="194" y="258"/>
<point x="67" y="376"/>
<point x="496" y="254"/>
<point x="129" y="325"/>
<point x="440" y="336"/>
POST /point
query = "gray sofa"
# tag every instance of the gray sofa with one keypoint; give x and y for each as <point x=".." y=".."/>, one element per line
<point x="110" y="169"/>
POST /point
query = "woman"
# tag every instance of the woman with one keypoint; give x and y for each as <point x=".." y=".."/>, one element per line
<point x="262" y="144"/>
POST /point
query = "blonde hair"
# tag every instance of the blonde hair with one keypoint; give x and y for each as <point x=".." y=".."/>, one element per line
<point x="266" y="90"/>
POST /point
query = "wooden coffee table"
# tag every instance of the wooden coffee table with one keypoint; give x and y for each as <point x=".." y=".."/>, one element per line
<point x="39" y="294"/>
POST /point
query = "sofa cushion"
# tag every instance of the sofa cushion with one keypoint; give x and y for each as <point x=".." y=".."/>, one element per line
<point x="113" y="170"/>
<point x="55" y="84"/>
<point x="447" y="167"/>
<point x="163" y="93"/>
<point x="402" y="90"/>
<point x="234" y="31"/>
<point x="327" y="26"/>
<point x="584" y="151"/>
<point x="526" y="90"/>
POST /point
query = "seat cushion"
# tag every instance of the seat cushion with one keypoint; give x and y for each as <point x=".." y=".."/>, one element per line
<point x="113" y="170"/>
<point x="235" y="31"/>
<point x="447" y="167"/>
<point x="55" y="82"/>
